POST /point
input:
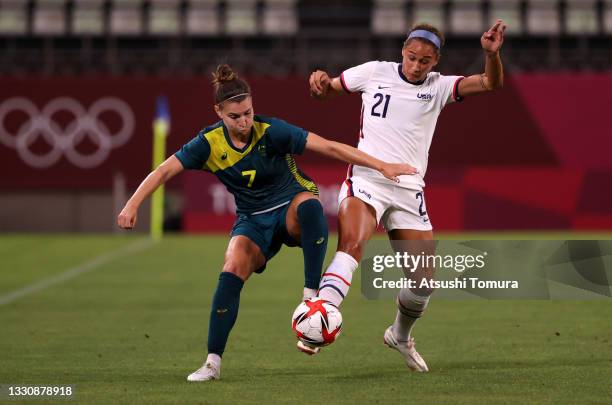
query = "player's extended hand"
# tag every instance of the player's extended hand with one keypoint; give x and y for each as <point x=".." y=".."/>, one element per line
<point x="393" y="170"/>
<point x="493" y="39"/>
<point x="319" y="84"/>
<point x="127" y="217"/>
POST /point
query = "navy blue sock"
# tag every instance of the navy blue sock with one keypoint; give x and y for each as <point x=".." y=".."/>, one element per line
<point x="224" y="311"/>
<point x="313" y="227"/>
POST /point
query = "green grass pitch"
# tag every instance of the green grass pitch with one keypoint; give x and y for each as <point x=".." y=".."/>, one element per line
<point x="131" y="329"/>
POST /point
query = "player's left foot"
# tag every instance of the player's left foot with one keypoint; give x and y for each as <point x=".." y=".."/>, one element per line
<point x="413" y="359"/>
<point x="309" y="350"/>
<point x="207" y="372"/>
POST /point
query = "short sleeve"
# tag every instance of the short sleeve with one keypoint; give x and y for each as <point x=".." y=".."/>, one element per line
<point x="356" y="78"/>
<point x="449" y="89"/>
<point x="194" y="154"/>
<point x="287" y="138"/>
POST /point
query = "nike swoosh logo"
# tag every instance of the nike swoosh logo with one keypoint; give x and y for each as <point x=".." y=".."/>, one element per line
<point x="321" y="240"/>
<point x="221" y="311"/>
<point x="384" y="87"/>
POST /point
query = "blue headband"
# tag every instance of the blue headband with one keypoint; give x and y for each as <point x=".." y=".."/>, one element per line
<point x="430" y="36"/>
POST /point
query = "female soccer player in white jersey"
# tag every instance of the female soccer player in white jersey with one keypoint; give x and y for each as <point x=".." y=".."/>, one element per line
<point x="401" y="105"/>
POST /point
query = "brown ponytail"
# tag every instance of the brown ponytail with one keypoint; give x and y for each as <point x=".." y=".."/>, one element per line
<point x="227" y="85"/>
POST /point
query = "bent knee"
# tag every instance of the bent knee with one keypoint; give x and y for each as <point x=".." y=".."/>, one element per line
<point x="242" y="270"/>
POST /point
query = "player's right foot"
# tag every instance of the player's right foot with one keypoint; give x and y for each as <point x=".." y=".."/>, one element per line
<point x="413" y="359"/>
<point x="207" y="372"/>
<point x="305" y="348"/>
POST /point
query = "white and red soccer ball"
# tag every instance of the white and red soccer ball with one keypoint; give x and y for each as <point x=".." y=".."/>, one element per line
<point x="317" y="322"/>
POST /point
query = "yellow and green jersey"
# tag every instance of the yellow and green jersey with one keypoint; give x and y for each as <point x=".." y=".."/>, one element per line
<point x="262" y="175"/>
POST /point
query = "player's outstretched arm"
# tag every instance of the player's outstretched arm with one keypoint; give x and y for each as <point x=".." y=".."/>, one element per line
<point x="323" y="87"/>
<point x="493" y="76"/>
<point x="164" y="172"/>
<point x="348" y="154"/>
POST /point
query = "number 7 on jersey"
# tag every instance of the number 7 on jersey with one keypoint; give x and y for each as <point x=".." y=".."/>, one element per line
<point x="251" y="174"/>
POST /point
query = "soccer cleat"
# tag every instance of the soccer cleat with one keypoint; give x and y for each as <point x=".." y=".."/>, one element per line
<point x="309" y="350"/>
<point x="207" y="372"/>
<point x="413" y="359"/>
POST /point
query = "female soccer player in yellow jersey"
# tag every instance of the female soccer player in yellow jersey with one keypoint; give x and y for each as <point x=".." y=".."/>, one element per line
<point x="277" y="204"/>
<point x="400" y="107"/>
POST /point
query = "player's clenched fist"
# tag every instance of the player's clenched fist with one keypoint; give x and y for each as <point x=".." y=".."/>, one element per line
<point x="319" y="84"/>
<point x="127" y="217"/>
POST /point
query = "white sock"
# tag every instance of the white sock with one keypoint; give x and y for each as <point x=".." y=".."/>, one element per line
<point x="214" y="359"/>
<point x="336" y="280"/>
<point x="309" y="293"/>
<point x="410" y="307"/>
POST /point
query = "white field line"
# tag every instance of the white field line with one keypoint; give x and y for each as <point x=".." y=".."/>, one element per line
<point x="76" y="271"/>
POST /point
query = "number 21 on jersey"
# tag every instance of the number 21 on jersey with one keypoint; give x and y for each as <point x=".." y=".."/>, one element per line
<point x="376" y="110"/>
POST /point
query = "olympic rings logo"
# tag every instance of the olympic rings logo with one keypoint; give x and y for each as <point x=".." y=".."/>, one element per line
<point x="86" y="124"/>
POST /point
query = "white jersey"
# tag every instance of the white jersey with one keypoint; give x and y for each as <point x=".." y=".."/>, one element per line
<point x="398" y="118"/>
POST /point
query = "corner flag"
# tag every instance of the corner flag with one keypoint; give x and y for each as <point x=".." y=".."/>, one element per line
<point x="161" y="128"/>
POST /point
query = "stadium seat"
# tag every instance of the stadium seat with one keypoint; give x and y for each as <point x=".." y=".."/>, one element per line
<point x="510" y="12"/>
<point x="241" y="17"/>
<point x="126" y="17"/>
<point x="202" y="17"/>
<point x="607" y="17"/>
<point x="430" y="12"/>
<point x="581" y="17"/>
<point x="466" y="17"/>
<point x="164" y="17"/>
<point x="543" y="17"/>
<point x="88" y="17"/>
<point x="49" y="17"/>
<point x="389" y="17"/>
<point x="13" y="17"/>
<point x="279" y="17"/>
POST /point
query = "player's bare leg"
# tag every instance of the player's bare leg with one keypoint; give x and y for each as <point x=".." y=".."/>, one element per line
<point x="411" y="303"/>
<point x="356" y="225"/>
<point x="242" y="258"/>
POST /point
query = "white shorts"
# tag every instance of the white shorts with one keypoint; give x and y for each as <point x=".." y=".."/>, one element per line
<point x="396" y="207"/>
